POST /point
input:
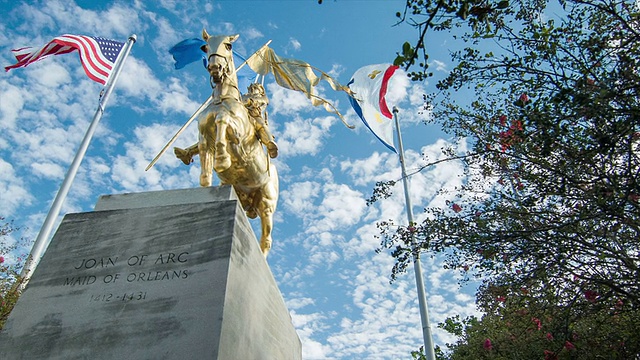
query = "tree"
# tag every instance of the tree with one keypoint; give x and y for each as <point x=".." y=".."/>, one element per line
<point x="9" y="272"/>
<point x="551" y="198"/>
<point x="530" y="324"/>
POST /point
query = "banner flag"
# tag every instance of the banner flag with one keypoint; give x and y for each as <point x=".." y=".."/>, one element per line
<point x="369" y="86"/>
<point x="296" y="75"/>
<point x="190" y="50"/>
<point x="97" y="54"/>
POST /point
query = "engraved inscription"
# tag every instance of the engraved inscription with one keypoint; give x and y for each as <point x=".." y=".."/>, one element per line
<point x="128" y="296"/>
<point x="100" y="262"/>
<point x="134" y="268"/>
<point x="80" y="280"/>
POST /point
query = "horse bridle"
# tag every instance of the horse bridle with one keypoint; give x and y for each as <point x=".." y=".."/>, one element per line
<point x="225" y="70"/>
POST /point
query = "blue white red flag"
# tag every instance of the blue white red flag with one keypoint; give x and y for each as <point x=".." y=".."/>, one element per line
<point x="190" y="50"/>
<point x="370" y="84"/>
<point x="97" y="54"/>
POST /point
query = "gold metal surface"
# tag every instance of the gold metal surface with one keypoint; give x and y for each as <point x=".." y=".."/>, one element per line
<point x="232" y="129"/>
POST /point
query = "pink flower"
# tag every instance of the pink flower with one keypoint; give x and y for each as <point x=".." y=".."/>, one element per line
<point x="1" y="259"/>
<point x="569" y="346"/>
<point x="524" y="98"/>
<point x="501" y="298"/>
<point x="503" y="120"/>
<point x="517" y="125"/>
<point x="537" y="322"/>
<point x="487" y="344"/>
<point x="549" y="336"/>
<point x="411" y="229"/>
<point x="590" y="295"/>
<point x="457" y="208"/>
<point x="550" y="355"/>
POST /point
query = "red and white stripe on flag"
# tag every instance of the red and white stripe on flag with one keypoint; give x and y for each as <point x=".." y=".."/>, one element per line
<point x="370" y="84"/>
<point x="97" y="54"/>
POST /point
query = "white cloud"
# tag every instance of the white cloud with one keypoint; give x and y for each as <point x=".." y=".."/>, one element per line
<point x="117" y="20"/>
<point x="252" y="33"/>
<point x="51" y="74"/>
<point x="298" y="197"/>
<point x="304" y="136"/>
<point x="372" y="169"/>
<point x="128" y="170"/>
<point x="12" y="99"/>
<point x="286" y="102"/>
<point x="294" y="44"/>
<point x="13" y="192"/>
<point x="139" y="82"/>
<point x="440" y="66"/>
<point x="341" y="207"/>
<point x="48" y="170"/>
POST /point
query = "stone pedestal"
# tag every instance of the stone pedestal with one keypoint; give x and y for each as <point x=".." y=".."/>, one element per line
<point x="161" y="275"/>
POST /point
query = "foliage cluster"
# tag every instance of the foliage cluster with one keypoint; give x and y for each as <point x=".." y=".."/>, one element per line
<point x="9" y="273"/>
<point x="551" y="205"/>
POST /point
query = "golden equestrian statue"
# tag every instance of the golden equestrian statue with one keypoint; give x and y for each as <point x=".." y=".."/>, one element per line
<point x="232" y="127"/>
<point x="231" y="133"/>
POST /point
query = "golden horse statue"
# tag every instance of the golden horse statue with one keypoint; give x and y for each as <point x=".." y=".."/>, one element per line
<point x="228" y="142"/>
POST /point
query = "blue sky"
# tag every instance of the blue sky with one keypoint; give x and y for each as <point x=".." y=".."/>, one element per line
<point x="323" y="257"/>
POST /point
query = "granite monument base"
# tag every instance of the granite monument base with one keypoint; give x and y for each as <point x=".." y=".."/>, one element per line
<point x="161" y="275"/>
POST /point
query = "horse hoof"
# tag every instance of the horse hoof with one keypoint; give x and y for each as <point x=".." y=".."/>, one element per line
<point x="273" y="150"/>
<point x="222" y="164"/>
<point x="265" y="246"/>
<point x="252" y="214"/>
<point x="205" y="180"/>
<point x="183" y="155"/>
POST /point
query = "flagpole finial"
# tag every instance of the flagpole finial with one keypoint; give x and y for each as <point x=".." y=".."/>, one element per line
<point x="133" y="37"/>
<point x="395" y="110"/>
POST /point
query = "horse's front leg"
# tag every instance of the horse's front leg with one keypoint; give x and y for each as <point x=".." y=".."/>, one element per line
<point x="205" y="148"/>
<point x="222" y="160"/>
<point x="206" y="140"/>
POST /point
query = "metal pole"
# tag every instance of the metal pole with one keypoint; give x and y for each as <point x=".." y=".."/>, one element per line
<point x="42" y="241"/>
<point x="417" y="267"/>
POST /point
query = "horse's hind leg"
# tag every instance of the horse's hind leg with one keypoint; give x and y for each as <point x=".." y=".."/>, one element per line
<point x="266" y="208"/>
<point x="266" y="220"/>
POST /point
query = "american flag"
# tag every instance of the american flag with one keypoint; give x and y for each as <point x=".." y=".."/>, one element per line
<point x="97" y="54"/>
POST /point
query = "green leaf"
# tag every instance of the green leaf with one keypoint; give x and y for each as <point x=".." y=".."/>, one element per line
<point x="503" y="4"/>
<point x="407" y="50"/>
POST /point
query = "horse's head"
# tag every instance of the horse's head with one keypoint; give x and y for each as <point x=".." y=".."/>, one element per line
<point x="219" y="55"/>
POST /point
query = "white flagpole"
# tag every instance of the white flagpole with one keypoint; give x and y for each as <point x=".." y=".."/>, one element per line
<point x="417" y="267"/>
<point x="42" y="241"/>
